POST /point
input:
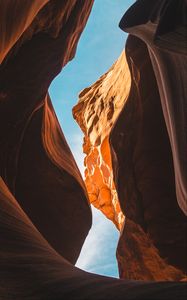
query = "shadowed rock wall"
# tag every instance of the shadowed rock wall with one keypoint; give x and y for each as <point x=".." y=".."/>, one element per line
<point x="162" y="27"/>
<point x="154" y="163"/>
<point x="142" y="170"/>
<point x="35" y="160"/>
<point x="143" y="165"/>
<point x="32" y="269"/>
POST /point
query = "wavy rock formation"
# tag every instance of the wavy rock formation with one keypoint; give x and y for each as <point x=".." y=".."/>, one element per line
<point x="142" y="153"/>
<point x="42" y="194"/>
<point x="162" y="28"/>
<point x="143" y="171"/>
<point x="36" y="162"/>
<point x="151" y="172"/>
<point x="31" y="269"/>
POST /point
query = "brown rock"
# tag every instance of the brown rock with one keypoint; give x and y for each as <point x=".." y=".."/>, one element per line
<point x="36" y="162"/>
<point x="142" y="161"/>
<point x="15" y="20"/>
<point x="141" y="150"/>
<point x="32" y="269"/>
<point x="139" y="259"/>
<point x="162" y="27"/>
<point x="44" y="213"/>
<point x="156" y="156"/>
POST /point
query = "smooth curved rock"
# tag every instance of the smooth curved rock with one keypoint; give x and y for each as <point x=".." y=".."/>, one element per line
<point x="149" y="158"/>
<point x="162" y="27"/>
<point x="32" y="270"/>
<point x="15" y="19"/>
<point x="143" y="166"/>
<point x="36" y="162"/>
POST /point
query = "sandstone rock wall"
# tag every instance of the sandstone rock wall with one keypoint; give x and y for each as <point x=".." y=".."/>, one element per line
<point x="162" y="27"/>
<point x="35" y="160"/>
<point x="42" y="194"/>
<point x="32" y="269"/>
<point x="155" y="163"/>
<point x="143" y="166"/>
<point x="139" y="142"/>
<point x="96" y="113"/>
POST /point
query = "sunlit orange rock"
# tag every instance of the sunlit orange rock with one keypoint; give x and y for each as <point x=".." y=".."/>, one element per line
<point x="137" y="135"/>
<point x="110" y="109"/>
<point x="96" y="113"/>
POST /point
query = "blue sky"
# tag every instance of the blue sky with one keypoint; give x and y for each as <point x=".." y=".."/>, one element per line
<point x="100" y="45"/>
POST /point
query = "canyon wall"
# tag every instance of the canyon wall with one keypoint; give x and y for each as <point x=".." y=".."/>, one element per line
<point x="42" y="194"/>
<point x="32" y="269"/>
<point x="155" y="166"/>
<point x="35" y="160"/>
<point x="162" y="28"/>
<point x="136" y="137"/>
<point x="143" y="165"/>
<point x="98" y="109"/>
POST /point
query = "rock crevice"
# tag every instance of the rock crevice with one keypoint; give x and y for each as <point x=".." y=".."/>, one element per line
<point x="135" y="154"/>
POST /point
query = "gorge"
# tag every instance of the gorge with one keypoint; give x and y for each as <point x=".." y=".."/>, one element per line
<point x="134" y="122"/>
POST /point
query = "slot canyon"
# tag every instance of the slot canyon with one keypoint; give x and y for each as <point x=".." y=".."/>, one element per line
<point x="134" y="122"/>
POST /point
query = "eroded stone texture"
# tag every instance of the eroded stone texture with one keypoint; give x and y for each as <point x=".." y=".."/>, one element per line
<point x="142" y="157"/>
<point x="96" y="113"/>
<point x="139" y="259"/>
<point x="35" y="160"/>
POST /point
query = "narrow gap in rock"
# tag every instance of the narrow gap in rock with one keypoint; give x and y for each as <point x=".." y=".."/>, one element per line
<point x="100" y="45"/>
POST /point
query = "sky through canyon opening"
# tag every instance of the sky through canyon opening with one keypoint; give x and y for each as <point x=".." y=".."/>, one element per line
<point x="100" y="45"/>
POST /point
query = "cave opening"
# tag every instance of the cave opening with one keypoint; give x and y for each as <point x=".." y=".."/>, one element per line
<point x="100" y="45"/>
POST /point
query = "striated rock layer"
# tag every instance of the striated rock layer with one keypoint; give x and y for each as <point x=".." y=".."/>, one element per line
<point x="153" y="240"/>
<point x="35" y="160"/>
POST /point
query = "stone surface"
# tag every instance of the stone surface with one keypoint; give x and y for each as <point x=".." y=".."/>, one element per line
<point x="162" y="27"/>
<point x="35" y="160"/>
<point x="154" y="165"/>
<point x="96" y="113"/>
<point x="32" y="269"/>
<point x="137" y="136"/>
<point x="143" y="166"/>
<point x="44" y="210"/>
